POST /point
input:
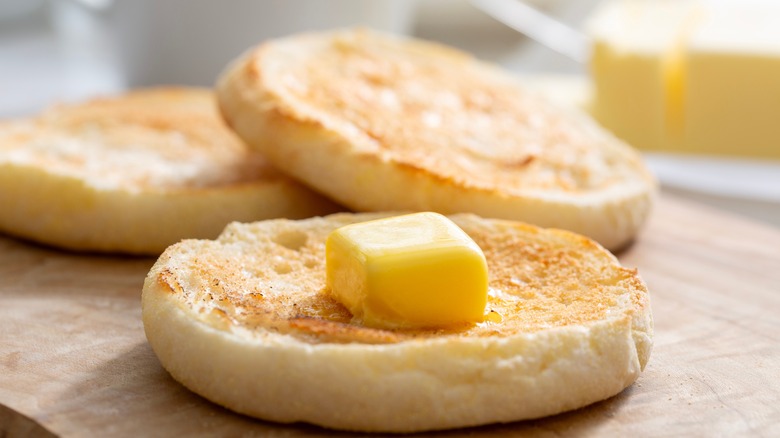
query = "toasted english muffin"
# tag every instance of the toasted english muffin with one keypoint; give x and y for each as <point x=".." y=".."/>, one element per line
<point x="247" y="322"/>
<point x="136" y="173"/>
<point x="385" y="123"/>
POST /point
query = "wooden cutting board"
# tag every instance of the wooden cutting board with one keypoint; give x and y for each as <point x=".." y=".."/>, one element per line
<point x="74" y="360"/>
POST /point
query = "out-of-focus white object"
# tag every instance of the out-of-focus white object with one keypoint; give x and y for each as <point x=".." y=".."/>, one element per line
<point x="538" y="26"/>
<point x="747" y="179"/>
<point x="191" y="41"/>
<point x="748" y="187"/>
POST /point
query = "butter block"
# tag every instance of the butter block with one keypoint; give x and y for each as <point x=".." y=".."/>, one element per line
<point x="690" y="76"/>
<point x="634" y="58"/>
<point x="732" y="84"/>
<point x="416" y="270"/>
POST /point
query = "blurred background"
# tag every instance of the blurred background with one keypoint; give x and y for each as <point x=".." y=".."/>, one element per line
<point x="68" y="50"/>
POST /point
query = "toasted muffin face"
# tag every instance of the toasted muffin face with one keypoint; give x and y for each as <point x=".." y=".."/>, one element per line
<point x="148" y="140"/>
<point x="437" y="110"/>
<point x="427" y="127"/>
<point x="136" y="173"/>
<point x="544" y="281"/>
<point x="568" y="326"/>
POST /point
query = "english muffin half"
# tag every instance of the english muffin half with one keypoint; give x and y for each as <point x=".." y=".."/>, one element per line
<point x="385" y="123"/>
<point x="247" y="322"/>
<point x="136" y="173"/>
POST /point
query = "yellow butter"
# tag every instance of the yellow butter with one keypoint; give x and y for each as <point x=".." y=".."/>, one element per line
<point x="691" y="76"/>
<point x="416" y="270"/>
<point x="732" y="84"/>
<point x="635" y="66"/>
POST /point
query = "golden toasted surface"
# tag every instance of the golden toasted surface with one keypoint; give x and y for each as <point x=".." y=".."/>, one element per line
<point x="438" y="110"/>
<point x="270" y="277"/>
<point x="157" y="139"/>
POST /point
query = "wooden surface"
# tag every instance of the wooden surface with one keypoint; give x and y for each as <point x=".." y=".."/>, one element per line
<point x="74" y="360"/>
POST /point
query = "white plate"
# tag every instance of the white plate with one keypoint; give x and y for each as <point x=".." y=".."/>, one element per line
<point x="749" y="187"/>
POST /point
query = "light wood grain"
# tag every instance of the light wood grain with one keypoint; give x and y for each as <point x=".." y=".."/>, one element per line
<point x="74" y="359"/>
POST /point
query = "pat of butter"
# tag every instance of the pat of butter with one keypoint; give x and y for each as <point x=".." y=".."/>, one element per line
<point x="691" y="76"/>
<point x="416" y="270"/>
<point x="634" y="64"/>
<point x="732" y="81"/>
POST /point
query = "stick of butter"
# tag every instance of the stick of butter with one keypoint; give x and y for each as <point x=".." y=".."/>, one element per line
<point x="416" y="270"/>
<point x="692" y="76"/>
